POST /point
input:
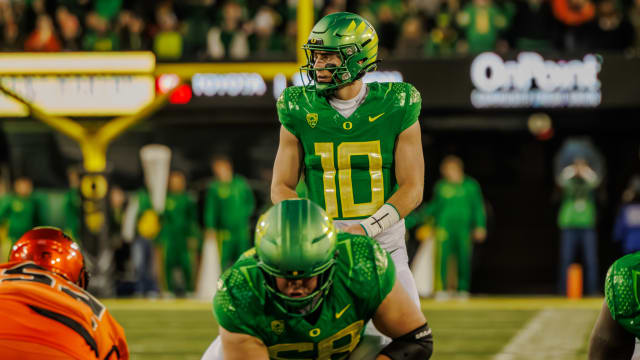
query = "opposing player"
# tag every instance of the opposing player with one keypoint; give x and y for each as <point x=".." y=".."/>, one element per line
<point x="45" y="309"/>
<point x="307" y="292"/>
<point x="358" y="144"/>
<point x="618" y="326"/>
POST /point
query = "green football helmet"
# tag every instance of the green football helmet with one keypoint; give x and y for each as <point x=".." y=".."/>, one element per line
<point x="353" y="38"/>
<point x="295" y="239"/>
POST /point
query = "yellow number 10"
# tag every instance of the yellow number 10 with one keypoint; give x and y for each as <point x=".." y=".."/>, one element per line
<point x="345" y="151"/>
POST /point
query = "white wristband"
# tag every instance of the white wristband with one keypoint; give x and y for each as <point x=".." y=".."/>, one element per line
<point x="383" y="219"/>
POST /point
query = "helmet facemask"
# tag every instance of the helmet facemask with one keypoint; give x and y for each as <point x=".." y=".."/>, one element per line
<point x="351" y="67"/>
<point x="304" y="305"/>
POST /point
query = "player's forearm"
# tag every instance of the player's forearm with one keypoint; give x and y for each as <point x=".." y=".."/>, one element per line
<point x="280" y="192"/>
<point x="407" y="198"/>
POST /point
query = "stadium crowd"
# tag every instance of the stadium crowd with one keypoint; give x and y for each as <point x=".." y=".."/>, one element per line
<point x="200" y="30"/>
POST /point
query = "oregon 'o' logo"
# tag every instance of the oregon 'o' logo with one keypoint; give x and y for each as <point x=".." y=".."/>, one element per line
<point x="347" y="125"/>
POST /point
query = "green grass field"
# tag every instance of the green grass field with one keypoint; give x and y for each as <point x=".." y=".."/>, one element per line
<point x="478" y="329"/>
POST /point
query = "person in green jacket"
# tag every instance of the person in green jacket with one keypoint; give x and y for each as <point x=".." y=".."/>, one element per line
<point x="179" y="228"/>
<point x="458" y="212"/>
<point x="73" y="205"/>
<point x="22" y="209"/>
<point x="577" y="222"/>
<point x="229" y="204"/>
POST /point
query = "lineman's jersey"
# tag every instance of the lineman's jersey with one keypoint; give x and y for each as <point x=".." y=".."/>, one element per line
<point x="621" y="292"/>
<point x="363" y="277"/>
<point x="349" y="162"/>
<point x="39" y="307"/>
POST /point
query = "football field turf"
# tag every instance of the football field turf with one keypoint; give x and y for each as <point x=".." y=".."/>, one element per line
<point x="478" y="329"/>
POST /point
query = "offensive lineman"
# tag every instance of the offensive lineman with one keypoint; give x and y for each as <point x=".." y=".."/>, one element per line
<point x="618" y="327"/>
<point x="45" y="309"/>
<point x="358" y="144"/>
<point x="307" y="292"/>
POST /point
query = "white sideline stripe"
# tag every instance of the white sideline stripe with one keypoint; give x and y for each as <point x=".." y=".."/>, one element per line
<point x="550" y="334"/>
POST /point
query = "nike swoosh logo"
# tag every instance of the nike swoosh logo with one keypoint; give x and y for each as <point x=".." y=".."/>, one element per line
<point x="372" y="119"/>
<point x="339" y="314"/>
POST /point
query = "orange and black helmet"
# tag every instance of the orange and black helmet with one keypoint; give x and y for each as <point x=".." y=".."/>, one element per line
<point x="53" y="250"/>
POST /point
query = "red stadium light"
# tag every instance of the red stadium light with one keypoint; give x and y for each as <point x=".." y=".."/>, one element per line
<point x="181" y="95"/>
<point x="166" y="82"/>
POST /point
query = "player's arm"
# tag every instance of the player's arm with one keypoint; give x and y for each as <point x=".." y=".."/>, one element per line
<point x="237" y="346"/>
<point x="411" y="335"/>
<point x="286" y="169"/>
<point x="409" y="171"/>
<point x="609" y="340"/>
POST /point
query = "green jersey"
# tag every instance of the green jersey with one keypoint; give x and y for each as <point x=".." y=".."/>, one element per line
<point x="228" y="205"/>
<point x="363" y="277"/>
<point x="456" y="205"/>
<point x="349" y="162"/>
<point x="621" y="292"/>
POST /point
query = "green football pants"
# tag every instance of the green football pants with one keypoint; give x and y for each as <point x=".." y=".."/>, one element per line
<point x="233" y="243"/>
<point x="453" y="243"/>
<point x="178" y="260"/>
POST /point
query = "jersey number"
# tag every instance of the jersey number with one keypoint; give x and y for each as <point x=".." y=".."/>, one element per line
<point x="345" y="151"/>
<point x="31" y="272"/>
<point x="344" y="341"/>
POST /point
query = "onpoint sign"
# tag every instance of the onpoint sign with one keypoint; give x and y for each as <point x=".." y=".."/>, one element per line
<point x="532" y="81"/>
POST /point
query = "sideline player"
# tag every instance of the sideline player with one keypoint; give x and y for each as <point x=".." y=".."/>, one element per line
<point x="307" y="292"/>
<point x="45" y="309"/>
<point x="358" y="144"/>
<point x="617" y="328"/>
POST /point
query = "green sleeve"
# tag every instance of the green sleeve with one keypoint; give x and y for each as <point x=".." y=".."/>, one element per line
<point x="284" y="115"/>
<point x="235" y="307"/>
<point x="210" y="208"/>
<point x="413" y="105"/>
<point x="620" y="291"/>
<point x="478" y="215"/>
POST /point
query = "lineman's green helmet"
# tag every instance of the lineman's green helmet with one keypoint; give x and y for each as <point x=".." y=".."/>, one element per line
<point x="353" y="38"/>
<point x="295" y="239"/>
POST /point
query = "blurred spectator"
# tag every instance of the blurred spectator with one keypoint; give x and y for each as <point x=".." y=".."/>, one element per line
<point x="179" y="234"/>
<point x="195" y="27"/>
<point x="72" y="205"/>
<point x="69" y="29"/>
<point x="412" y="38"/>
<point x="43" y="38"/>
<point x="167" y="43"/>
<point x="145" y="252"/>
<point x="577" y="221"/>
<point x="614" y="31"/>
<point x="107" y="9"/>
<point x="229" y="204"/>
<point x="9" y="21"/>
<point x="535" y="28"/>
<point x="387" y="27"/>
<point x="482" y="23"/>
<point x="99" y="36"/>
<point x="228" y="39"/>
<point x="130" y="29"/>
<point x="442" y="40"/>
<point x="627" y="226"/>
<point x="578" y="19"/>
<point x="457" y="208"/>
<point x="265" y="40"/>
<point x="23" y="209"/>
<point x="124" y="274"/>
